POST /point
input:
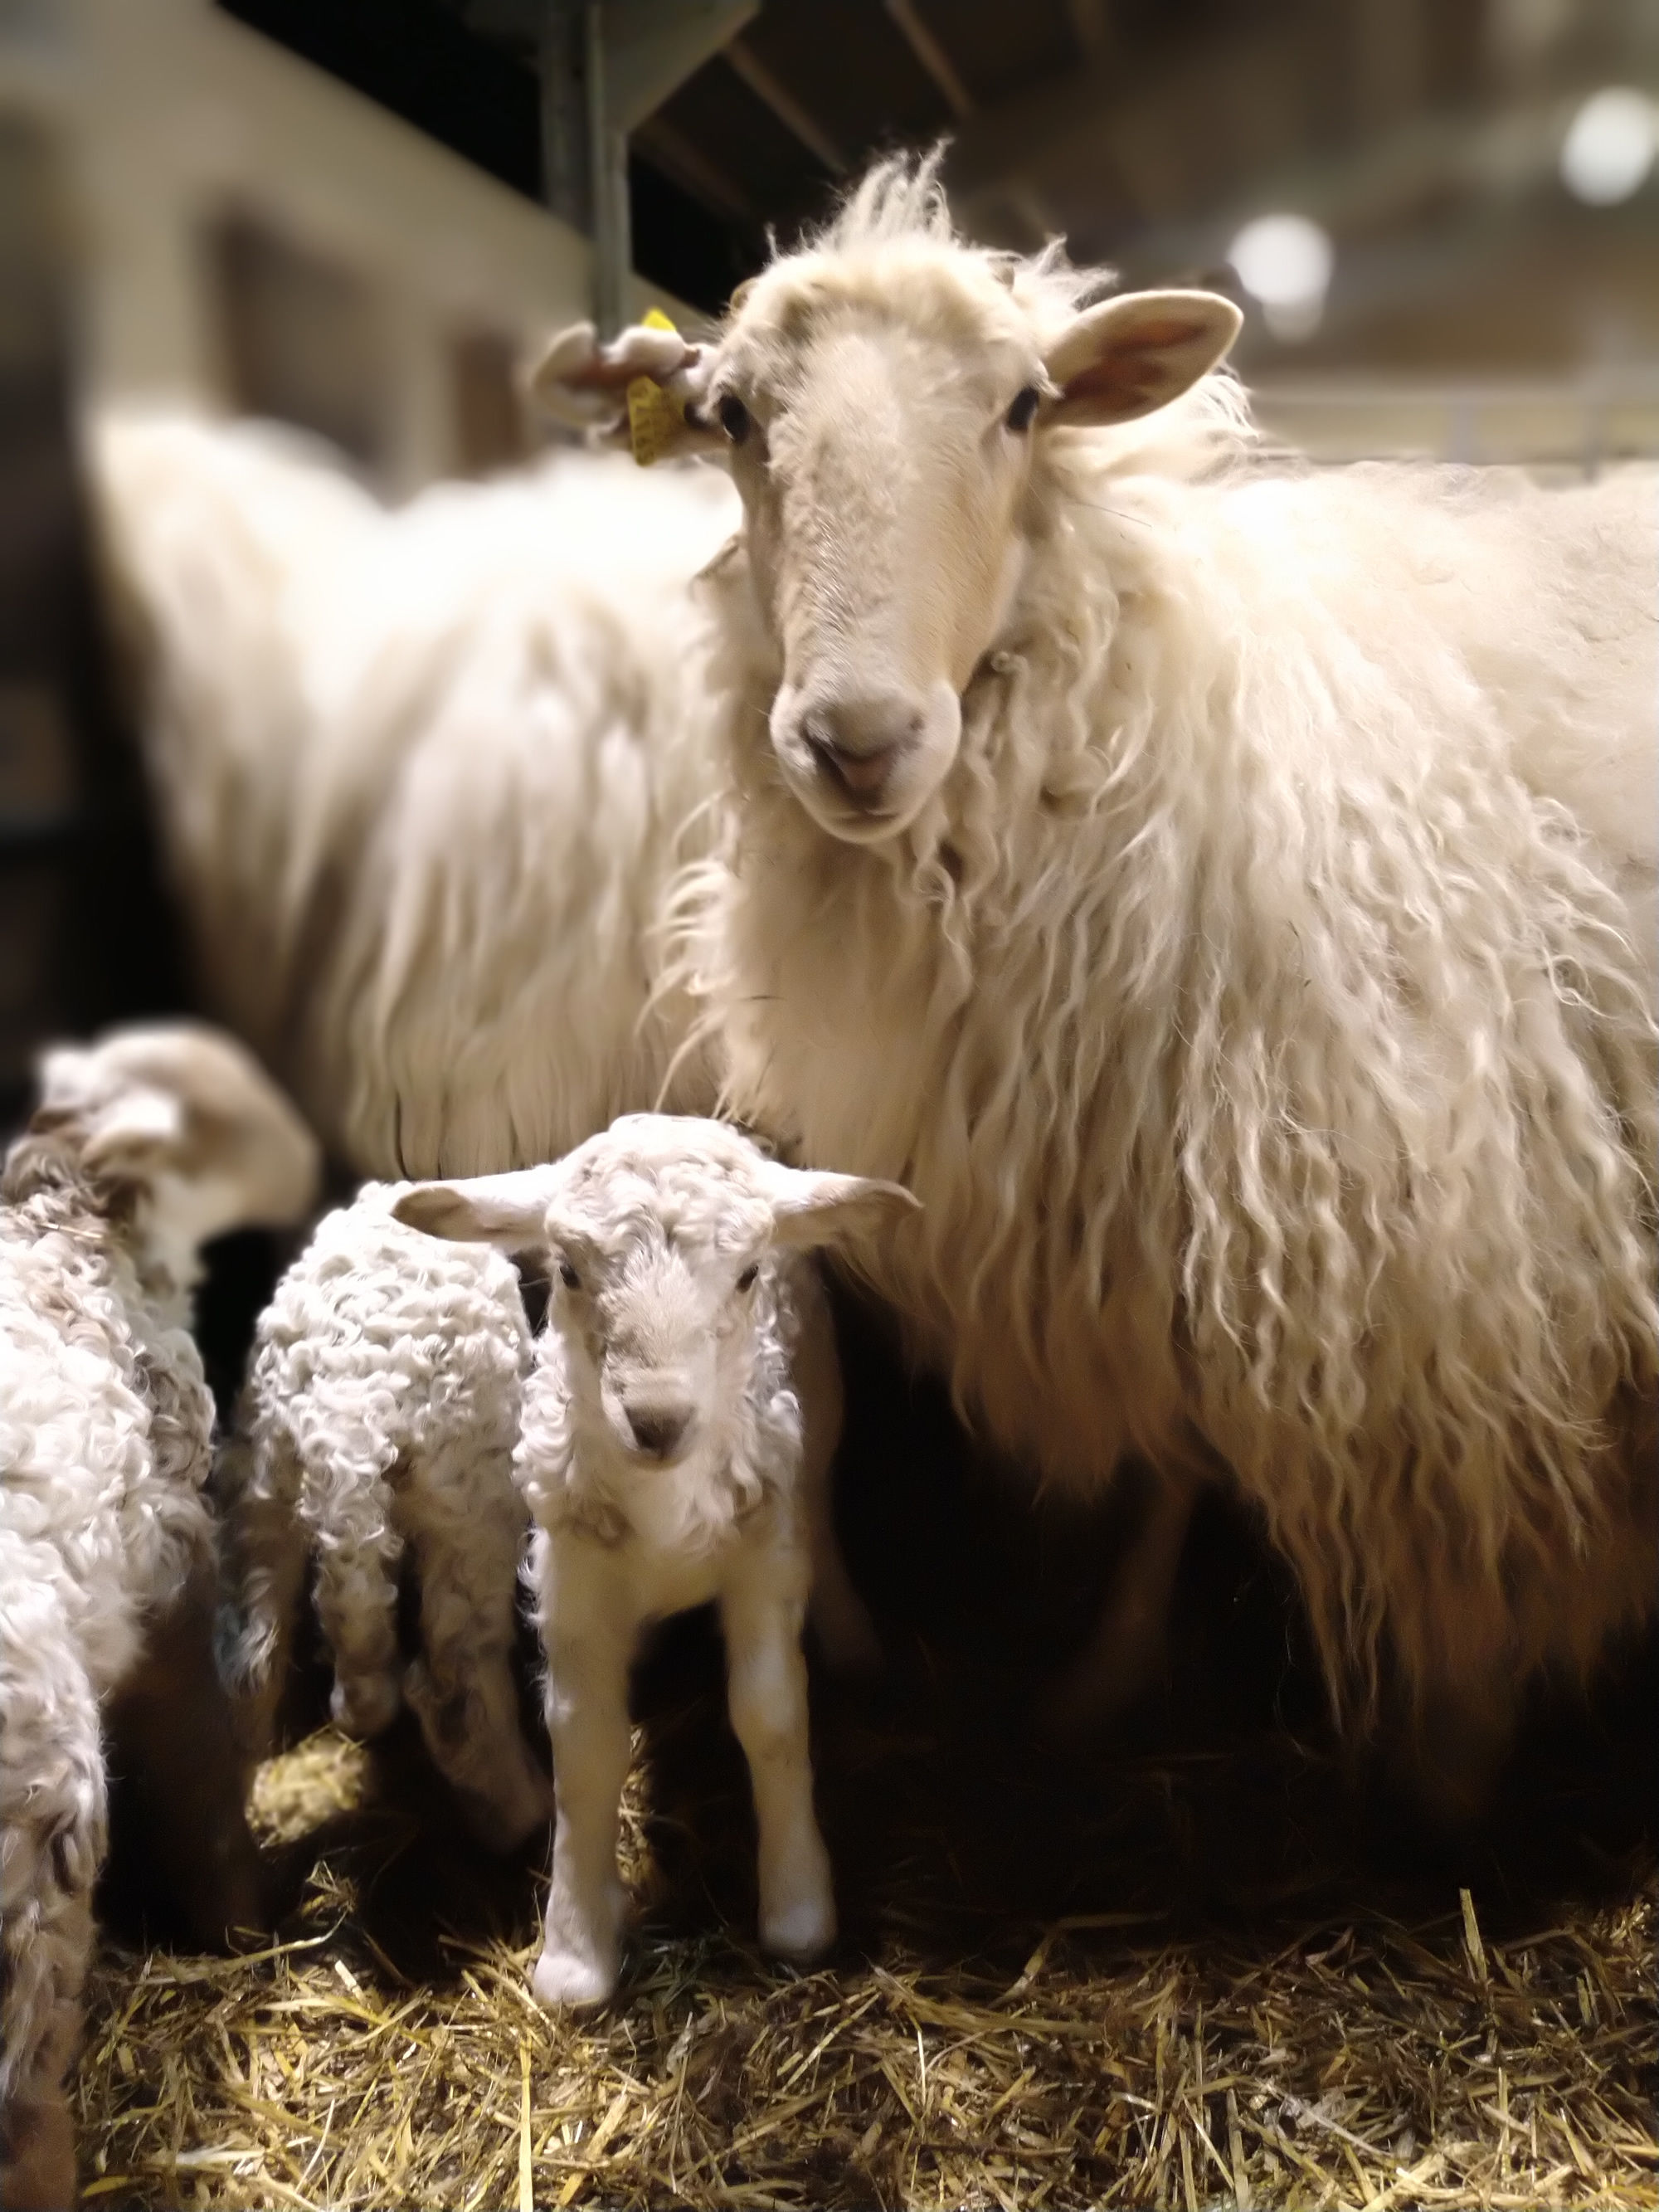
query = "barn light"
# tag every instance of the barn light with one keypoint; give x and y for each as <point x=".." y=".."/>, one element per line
<point x="1284" y="262"/>
<point x="1609" y="146"/>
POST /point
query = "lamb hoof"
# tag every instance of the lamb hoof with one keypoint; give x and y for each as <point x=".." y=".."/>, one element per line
<point x="562" y="1978"/>
<point x="367" y="1706"/>
<point x="802" y="1931"/>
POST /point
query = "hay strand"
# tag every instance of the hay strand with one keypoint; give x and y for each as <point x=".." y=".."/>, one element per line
<point x="1177" y="1980"/>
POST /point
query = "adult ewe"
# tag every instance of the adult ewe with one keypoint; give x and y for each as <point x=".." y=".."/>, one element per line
<point x="1224" y="892"/>
<point x="143" y="1145"/>
<point x="422" y="776"/>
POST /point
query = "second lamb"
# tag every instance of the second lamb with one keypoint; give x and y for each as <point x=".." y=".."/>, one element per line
<point x="677" y="1428"/>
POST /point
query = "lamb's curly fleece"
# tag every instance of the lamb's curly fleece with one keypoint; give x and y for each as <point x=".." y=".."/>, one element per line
<point x="421" y="776"/>
<point x="380" y="1414"/>
<point x="105" y="1426"/>
<point x="1263" y="1008"/>
<point x="105" y="1418"/>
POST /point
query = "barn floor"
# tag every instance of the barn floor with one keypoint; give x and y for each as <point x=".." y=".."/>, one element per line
<point x="1195" y="1968"/>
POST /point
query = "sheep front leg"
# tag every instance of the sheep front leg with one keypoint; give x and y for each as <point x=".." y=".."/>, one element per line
<point x="51" y="1841"/>
<point x="589" y="1645"/>
<point x="257" y="1488"/>
<point x="461" y="1689"/>
<point x="352" y="1515"/>
<point x="1126" y="1652"/>
<point x="766" y="1691"/>
<point x="173" y="1741"/>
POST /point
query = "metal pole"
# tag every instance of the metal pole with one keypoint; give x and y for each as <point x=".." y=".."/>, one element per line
<point x="607" y="149"/>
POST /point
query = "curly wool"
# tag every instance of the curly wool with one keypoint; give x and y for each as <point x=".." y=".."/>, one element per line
<point x="1263" y="1008"/>
<point x="105" y="1420"/>
<point x="569" y="1465"/>
<point x="421" y="776"/>
<point x="379" y="1417"/>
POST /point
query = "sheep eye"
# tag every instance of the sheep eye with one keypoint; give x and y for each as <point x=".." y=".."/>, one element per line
<point x="746" y="1280"/>
<point x="568" y="1276"/>
<point x="734" y="419"/>
<point x="1023" y="413"/>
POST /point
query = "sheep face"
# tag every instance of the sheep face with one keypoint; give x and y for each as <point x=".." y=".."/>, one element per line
<point x="183" y="1117"/>
<point x="884" y="407"/>
<point x="884" y="428"/>
<point x="658" y="1234"/>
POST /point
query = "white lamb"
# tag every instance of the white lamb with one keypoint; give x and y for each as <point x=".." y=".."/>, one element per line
<point x="678" y="1428"/>
<point x="143" y="1145"/>
<point x="1225" y="892"/>
<point x="420" y="775"/>
<point x="379" y="1417"/>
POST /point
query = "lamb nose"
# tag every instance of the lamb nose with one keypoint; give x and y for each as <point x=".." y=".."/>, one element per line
<point x="656" y="1429"/>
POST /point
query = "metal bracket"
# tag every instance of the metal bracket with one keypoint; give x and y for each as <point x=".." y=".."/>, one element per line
<point x="606" y="65"/>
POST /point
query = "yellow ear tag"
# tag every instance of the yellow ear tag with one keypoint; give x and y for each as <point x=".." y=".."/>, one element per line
<point x="653" y="420"/>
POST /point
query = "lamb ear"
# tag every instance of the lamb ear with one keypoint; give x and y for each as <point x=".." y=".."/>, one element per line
<point x="584" y="385"/>
<point x="136" y="1134"/>
<point x="1129" y="356"/>
<point x="810" y="1208"/>
<point x="506" y="1210"/>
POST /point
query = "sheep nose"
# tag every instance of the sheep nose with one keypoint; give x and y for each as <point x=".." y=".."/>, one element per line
<point x="657" y="1428"/>
<point x="855" y="742"/>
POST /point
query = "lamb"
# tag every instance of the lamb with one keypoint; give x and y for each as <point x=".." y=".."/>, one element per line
<point x="678" y="1427"/>
<point x="143" y="1145"/>
<point x="379" y="1419"/>
<point x="420" y="777"/>
<point x="1225" y="892"/>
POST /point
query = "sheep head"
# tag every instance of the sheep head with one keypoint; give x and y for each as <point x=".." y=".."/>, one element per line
<point x="660" y="1235"/>
<point x="186" y="1118"/>
<point x="884" y="398"/>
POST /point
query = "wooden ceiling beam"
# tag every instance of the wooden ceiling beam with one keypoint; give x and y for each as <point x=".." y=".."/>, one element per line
<point x="934" y="58"/>
<point x="766" y="87"/>
<point x="1091" y="26"/>
<point x="691" y="168"/>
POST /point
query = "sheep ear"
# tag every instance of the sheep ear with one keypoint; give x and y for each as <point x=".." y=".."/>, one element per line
<point x="1130" y="356"/>
<point x="506" y="1210"/>
<point x="584" y="385"/>
<point x="810" y="1208"/>
<point x="136" y="1134"/>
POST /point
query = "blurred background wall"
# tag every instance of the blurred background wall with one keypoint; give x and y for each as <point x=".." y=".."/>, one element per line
<point x="356" y="216"/>
<point x="1443" y="214"/>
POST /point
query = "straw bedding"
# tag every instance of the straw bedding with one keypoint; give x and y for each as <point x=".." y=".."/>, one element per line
<point x="1195" y="1968"/>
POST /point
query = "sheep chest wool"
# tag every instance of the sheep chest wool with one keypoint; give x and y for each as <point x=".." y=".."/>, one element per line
<point x="1225" y="892"/>
<point x="677" y="1431"/>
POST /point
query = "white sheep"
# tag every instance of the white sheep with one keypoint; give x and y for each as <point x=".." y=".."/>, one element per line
<point x="678" y="1428"/>
<point x="420" y="776"/>
<point x="1225" y="892"/>
<point x="379" y="1420"/>
<point x="143" y="1145"/>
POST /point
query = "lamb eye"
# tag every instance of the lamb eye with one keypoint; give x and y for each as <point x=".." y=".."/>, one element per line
<point x="568" y="1276"/>
<point x="1023" y="413"/>
<point x="747" y="1280"/>
<point x="734" y="419"/>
